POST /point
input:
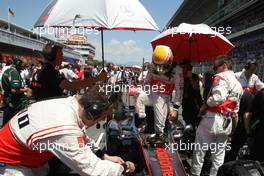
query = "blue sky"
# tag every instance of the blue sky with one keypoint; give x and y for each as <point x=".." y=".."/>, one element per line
<point x="120" y="46"/>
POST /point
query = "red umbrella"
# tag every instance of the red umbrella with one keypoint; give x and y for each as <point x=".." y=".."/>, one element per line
<point x="194" y="42"/>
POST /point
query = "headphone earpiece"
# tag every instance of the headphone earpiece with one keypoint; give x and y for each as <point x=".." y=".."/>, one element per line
<point x="91" y="111"/>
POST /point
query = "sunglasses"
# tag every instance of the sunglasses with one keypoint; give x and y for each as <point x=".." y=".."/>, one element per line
<point x="217" y="66"/>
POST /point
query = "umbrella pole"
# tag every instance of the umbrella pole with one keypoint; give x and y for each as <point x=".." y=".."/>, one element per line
<point x="102" y="43"/>
<point x="190" y="47"/>
<point x="143" y="69"/>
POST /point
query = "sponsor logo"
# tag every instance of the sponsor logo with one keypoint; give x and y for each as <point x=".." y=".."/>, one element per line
<point x="165" y="162"/>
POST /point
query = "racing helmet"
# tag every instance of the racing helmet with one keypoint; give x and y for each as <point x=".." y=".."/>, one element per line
<point x="162" y="59"/>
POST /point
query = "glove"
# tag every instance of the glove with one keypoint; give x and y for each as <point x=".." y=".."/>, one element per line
<point x="173" y="115"/>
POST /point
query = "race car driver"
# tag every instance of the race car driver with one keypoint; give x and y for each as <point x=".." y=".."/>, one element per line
<point x="163" y="79"/>
<point x="54" y="128"/>
<point x="248" y="79"/>
<point x="219" y="111"/>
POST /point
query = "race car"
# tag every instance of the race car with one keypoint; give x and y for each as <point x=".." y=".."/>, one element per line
<point x="124" y="139"/>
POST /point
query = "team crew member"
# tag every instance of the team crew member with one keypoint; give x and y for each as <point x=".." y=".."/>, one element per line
<point x="216" y="124"/>
<point x="257" y="127"/>
<point x="33" y="136"/>
<point x="242" y="131"/>
<point x="14" y="91"/>
<point x="247" y="78"/>
<point x="48" y="82"/>
<point x="163" y="79"/>
<point x="192" y="100"/>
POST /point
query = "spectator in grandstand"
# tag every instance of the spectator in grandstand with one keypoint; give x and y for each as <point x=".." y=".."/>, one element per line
<point x="15" y="92"/>
<point x="218" y="111"/>
<point x="248" y="79"/>
<point x="49" y="80"/>
<point x="192" y="99"/>
<point x="55" y="128"/>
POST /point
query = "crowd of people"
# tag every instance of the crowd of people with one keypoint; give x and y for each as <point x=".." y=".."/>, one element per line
<point x="36" y="114"/>
<point x="251" y="19"/>
<point x="51" y="120"/>
<point x="252" y="49"/>
<point x="225" y="111"/>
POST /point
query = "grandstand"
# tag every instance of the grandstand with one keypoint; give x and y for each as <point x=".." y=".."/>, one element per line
<point x="16" y="41"/>
<point x="245" y="17"/>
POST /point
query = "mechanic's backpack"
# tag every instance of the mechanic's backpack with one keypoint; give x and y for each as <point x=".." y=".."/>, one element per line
<point x="241" y="168"/>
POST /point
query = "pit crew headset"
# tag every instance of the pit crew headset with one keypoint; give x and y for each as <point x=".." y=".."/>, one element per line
<point x="94" y="108"/>
<point x="162" y="59"/>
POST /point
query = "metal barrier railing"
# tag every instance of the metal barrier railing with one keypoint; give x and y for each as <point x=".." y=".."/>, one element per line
<point x="10" y="38"/>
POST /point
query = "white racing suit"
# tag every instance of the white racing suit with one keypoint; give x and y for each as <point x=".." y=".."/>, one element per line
<point x="159" y="94"/>
<point x="216" y="124"/>
<point x="252" y="85"/>
<point x="46" y="129"/>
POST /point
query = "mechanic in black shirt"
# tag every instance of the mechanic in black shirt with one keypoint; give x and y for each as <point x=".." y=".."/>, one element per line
<point x="192" y="99"/>
<point x="242" y="131"/>
<point x="257" y="127"/>
<point x="48" y="82"/>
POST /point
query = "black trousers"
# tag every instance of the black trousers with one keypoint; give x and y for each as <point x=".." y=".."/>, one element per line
<point x="189" y="115"/>
<point x="238" y="140"/>
<point x="258" y="145"/>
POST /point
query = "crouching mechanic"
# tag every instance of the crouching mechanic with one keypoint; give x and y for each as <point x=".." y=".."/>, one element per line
<point x="54" y="128"/>
<point x="163" y="79"/>
<point x="218" y="113"/>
